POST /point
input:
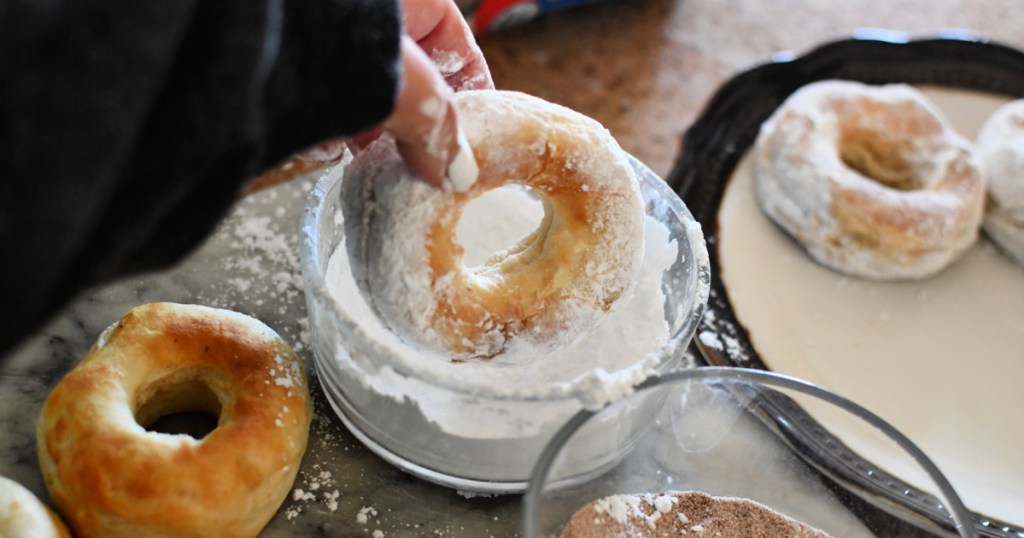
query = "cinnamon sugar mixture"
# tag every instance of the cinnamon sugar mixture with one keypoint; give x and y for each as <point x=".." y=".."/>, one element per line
<point x="675" y="514"/>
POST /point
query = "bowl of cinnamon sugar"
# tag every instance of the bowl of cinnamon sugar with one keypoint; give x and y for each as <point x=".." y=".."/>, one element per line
<point x="739" y="453"/>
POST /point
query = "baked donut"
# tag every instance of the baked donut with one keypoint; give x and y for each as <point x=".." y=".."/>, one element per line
<point x="23" y="515"/>
<point x="1000" y="149"/>
<point x="111" y="477"/>
<point x="547" y="289"/>
<point x="870" y="180"/>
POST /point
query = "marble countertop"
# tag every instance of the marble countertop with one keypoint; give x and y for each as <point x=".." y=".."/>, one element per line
<point x="644" y="68"/>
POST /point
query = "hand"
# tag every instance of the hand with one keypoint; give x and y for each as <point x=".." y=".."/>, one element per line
<point x="439" y="55"/>
<point x="438" y="28"/>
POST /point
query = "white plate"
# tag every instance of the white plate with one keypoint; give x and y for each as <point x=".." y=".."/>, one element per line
<point x="942" y="359"/>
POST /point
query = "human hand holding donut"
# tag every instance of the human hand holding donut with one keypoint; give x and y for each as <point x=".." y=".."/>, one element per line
<point x="439" y="56"/>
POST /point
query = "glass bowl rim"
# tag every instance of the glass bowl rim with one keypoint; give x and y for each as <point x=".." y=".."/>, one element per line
<point x="532" y="496"/>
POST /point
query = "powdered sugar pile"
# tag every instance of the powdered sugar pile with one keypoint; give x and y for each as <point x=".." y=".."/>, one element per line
<point x="623" y="507"/>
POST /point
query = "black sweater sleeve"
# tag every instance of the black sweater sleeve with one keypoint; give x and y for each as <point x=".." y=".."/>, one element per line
<point x="127" y="127"/>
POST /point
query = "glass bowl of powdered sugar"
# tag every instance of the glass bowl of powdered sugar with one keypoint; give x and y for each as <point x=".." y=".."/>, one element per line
<point x="479" y="426"/>
<point x="740" y="453"/>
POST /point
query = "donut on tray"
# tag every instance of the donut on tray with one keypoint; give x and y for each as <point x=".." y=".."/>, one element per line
<point x="870" y="180"/>
<point x="1000" y="147"/>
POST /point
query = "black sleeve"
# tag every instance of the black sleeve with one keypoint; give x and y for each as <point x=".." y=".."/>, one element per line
<point x="127" y="127"/>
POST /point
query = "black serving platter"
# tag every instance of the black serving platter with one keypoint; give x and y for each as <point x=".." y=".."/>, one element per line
<point x="713" y="146"/>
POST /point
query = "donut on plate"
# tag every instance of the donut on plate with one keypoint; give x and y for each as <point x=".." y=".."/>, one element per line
<point x="552" y="286"/>
<point x="110" y="476"/>
<point x="23" y="515"/>
<point x="1000" y="148"/>
<point x="870" y="180"/>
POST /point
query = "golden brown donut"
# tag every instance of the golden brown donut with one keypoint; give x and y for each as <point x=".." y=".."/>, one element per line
<point x="22" y="515"/>
<point x="549" y="288"/>
<point x="1000" y="147"/>
<point x="111" y="477"/>
<point x="870" y="180"/>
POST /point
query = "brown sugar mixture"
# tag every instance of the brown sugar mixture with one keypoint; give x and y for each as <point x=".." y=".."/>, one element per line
<point x="682" y="514"/>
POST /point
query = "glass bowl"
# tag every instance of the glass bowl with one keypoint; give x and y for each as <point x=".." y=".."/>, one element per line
<point x="480" y="426"/>
<point x="738" y="435"/>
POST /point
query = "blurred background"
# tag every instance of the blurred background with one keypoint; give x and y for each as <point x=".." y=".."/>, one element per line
<point x="645" y="68"/>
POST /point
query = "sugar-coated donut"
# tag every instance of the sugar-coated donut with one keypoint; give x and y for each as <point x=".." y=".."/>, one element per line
<point x="111" y="477"/>
<point x="1000" y="148"/>
<point x="550" y="287"/>
<point x="22" y="515"/>
<point x="870" y="180"/>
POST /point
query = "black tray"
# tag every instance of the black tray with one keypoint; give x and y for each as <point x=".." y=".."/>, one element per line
<point x="728" y="126"/>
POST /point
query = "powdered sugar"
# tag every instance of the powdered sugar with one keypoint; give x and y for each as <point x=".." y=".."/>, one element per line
<point x="314" y="486"/>
<point x="448" y="62"/>
<point x="435" y="110"/>
<point x="365" y="513"/>
<point x="260" y="265"/>
<point x="286" y="374"/>
<point x="463" y="170"/>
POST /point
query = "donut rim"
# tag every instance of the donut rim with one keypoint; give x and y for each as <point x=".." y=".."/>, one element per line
<point x="107" y="474"/>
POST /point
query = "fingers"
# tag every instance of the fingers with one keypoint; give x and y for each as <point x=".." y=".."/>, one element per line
<point x="422" y="16"/>
<point x="439" y="54"/>
<point x="441" y="31"/>
<point x="424" y="124"/>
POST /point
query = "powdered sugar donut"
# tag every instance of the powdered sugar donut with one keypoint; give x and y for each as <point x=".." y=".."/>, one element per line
<point x="870" y="180"/>
<point x="22" y="514"/>
<point x="112" y="477"/>
<point x="1000" y="149"/>
<point x="550" y="287"/>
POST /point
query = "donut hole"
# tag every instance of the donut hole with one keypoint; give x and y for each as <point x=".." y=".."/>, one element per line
<point x="496" y="221"/>
<point x="878" y="158"/>
<point x="183" y="403"/>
